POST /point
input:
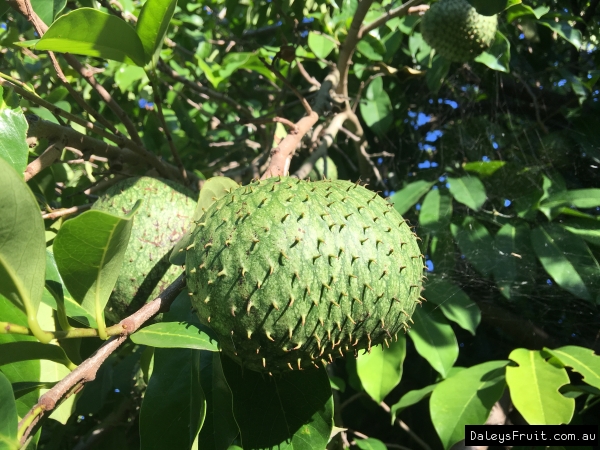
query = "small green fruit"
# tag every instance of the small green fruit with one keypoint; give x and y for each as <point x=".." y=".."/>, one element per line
<point x="292" y="273"/>
<point x="164" y="216"/>
<point x="457" y="31"/>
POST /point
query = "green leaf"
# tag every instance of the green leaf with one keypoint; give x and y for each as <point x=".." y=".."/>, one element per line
<point x="25" y="351"/>
<point x="489" y="7"/>
<point x="454" y="303"/>
<point x="212" y="190"/>
<point x="13" y="134"/>
<point x="56" y="293"/>
<point x="376" y="108"/>
<point x="380" y="370"/>
<point x="434" y="340"/>
<point x="579" y="198"/>
<point x="436" y="211"/>
<point x="25" y="387"/>
<point x="22" y="244"/>
<point x="436" y="75"/>
<point x="466" y="399"/>
<point x="476" y="243"/>
<point x="534" y="386"/>
<point x="564" y="30"/>
<point x="484" y="168"/>
<point x="173" y="408"/>
<point x="174" y="404"/>
<point x="219" y="429"/>
<point x="587" y="229"/>
<point x="89" y="251"/>
<point x="371" y="48"/>
<point x="89" y="32"/>
<point x="174" y="335"/>
<point x="152" y="25"/>
<point x="410" y="194"/>
<point x="370" y="444"/>
<point x="582" y="360"/>
<point x="520" y="10"/>
<point x="293" y="410"/>
<point x="567" y="259"/>
<point x="411" y="398"/>
<point x="8" y="416"/>
<point x="498" y="55"/>
<point x="47" y="10"/>
<point x="514" y="258"/>
<point x="320" y="45"/>
<point x="468" y="191"/>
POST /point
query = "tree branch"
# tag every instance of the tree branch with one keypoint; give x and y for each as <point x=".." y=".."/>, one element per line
<point x="400" y="11"/>
<point x="51" y="154"/>
<point x="87" y="370"/>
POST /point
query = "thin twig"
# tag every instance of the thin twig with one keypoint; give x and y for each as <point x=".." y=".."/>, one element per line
<point x="66" y="211"/>
<point x="306" y="75"/>
<point x="402" y="10"/>
<point x="46" y="159"/>
<point x="87" y="370"/>
<point x="406" y="428"/>
<point x="279" y="75"/>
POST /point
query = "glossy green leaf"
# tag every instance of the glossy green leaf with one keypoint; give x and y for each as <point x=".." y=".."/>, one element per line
<point x="47" y="10"/>
<point x="13" y="132"/>
<point x="411" y="398"/>
<point x="219" y="429"/>
<point x="320" y="45"/>
<point x="89" y="251"/>
<point x="174" y="335"/>
<point x="434" y="339"/>
<point x="212" y="190"/>
<point x="468" y="191"/>
<point x="484" y="168"/>
<point x="587" y="229"/>
<point x="371" y="48"/>
<point x="436" y="211"/>
<point x="582" y="360"/>
<point x="293" y="410"/>
<point x="370" y="444"/>
<point x="476" y="243"/>
<point x="8" y="416"/>
<point x="376" y="108"/>
<point x="173" y="407"/>
<point x="174" y="404"/>
<point x="466" y="399"/>
<point x="152" y="25"/>
<point x="515" y="258"/>
<point x="22" y="243"/>
<point x="579" y="198"/>
<point x="25" y="387"/>
<point x="437" y="73"/>
<point x="380" y="370"/>
<point x="442" y="252"/>
<point x="89" y="32"/>
<point x="405" y="198"/>
<point x="497" y="57"/>
<point x="24" y="351"/>
<point x="520" y="10"/>
<point x="534" y="386"/>
<point x="567" y="259"/>
<point x="454" y="303"/>
<point x="56" y="293"/>
<point x="564" y="30"/>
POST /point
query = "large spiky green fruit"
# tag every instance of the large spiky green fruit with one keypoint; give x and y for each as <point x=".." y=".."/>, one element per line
<point x="291" y="273"/>
<point x="457" y="31"/>
<point x="164" y="216"/>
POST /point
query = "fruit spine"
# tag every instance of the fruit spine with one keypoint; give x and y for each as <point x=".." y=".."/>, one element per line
<point x="290" y="273"/>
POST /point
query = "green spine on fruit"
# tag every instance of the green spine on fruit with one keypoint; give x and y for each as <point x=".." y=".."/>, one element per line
<point x="457" y="31"/>
<point x="291" y="273"/>
<point x="318" y="172"/>
<point x="164" y="216"/>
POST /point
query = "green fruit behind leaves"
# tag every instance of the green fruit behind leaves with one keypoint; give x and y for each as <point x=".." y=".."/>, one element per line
<point x="291" y="273"/>
<point x="457" y="31"/>
<point x="163" y="218"/>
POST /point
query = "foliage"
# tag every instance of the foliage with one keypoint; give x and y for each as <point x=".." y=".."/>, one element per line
<point x="494" y="162"/>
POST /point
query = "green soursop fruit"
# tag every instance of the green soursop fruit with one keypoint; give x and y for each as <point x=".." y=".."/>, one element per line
<point x="457" y="31"/>
<point x="318" y="172"/>
<point x="291" y="273"/>
<point x="164" y="216"/>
